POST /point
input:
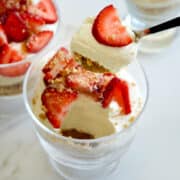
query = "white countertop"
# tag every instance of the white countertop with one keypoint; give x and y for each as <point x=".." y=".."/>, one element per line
<point x="155" y="152"/>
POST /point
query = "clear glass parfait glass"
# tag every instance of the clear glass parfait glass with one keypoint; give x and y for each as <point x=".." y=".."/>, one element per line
<point x="82" y="159"/>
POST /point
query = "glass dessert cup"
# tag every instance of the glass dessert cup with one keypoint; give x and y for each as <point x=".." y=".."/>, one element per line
<point x="147" y="13"/>
<point x="12" y="76"/>
<point x="82" y="159"/>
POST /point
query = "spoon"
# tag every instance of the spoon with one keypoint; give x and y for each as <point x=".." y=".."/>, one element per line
<point x="158" y="28"/>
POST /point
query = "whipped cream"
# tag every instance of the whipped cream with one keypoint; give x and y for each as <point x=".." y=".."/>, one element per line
<point x="112" y="58"/>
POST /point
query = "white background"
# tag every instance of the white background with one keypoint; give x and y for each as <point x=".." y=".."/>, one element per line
<point x="155" y="152"/>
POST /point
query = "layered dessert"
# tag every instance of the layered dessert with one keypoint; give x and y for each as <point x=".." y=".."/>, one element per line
<point x="82" y="94"/>
<point x="26" y="27"/>
<point x="154" y="10"/>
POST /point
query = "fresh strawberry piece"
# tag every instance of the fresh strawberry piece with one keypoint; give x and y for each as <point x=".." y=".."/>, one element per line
<point x="15" y="56"/>
<point x="57" y="104"/>
<point x="2" y="8"/>
<point x="33" y="22"/>
<point x="3" y="38"/>
<point x="88" y="82"/>
<point x="15" y="70"/>
<point x="117" y="90"/>
<point x="38" y="41"/>
<point x="15" y="28"/>
<point x="62" y="62"/>
<point x="108" y="30"/>
<point x="46" y="10"/>
<point x="5" y="54"/>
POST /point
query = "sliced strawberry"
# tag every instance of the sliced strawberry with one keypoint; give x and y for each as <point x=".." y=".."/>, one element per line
<point x="57" y="104"/>
<point x="117" y="90"/>
<point x="38" y="41"/>
<point x="62" y="62"/>
<point x="5" y="54"/>
<point x="46" y="10"/>
<point x="33" y="22"/>
<point x="15" y="28"/>
<point x="3" y="38"/>
<point x="88" y="82"/>
<point x="15" y="70"/>
<point x="108" y="30"/>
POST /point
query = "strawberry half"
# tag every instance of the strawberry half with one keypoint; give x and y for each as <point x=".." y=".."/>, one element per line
<point x="108" y="30"/>
<point x="38" y="41"/>
<point x="3" y="38"/>
<point x="118" y="91"/>
<point x="46" y="10"/>
<point x="15" y="28"/>
<point x="57" y="104"/>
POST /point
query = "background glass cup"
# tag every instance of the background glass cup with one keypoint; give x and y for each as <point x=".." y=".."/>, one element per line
<point x="11" y="101"/>
<point x="147" y="13"/>
<point x="76" y="159"/>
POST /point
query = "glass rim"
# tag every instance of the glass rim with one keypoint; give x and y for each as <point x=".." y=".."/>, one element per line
<point x="59" y="136"/>
<point x="42" y="52"/>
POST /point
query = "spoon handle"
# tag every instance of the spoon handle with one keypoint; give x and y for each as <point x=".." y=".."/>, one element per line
<point x="164" y="26"/>
<point x="158" y="28"/>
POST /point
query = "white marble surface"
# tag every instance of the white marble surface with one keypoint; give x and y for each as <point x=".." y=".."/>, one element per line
<point x="154" y="153"/>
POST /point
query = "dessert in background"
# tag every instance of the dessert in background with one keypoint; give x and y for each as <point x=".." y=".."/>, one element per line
<point x="26" y="27"/>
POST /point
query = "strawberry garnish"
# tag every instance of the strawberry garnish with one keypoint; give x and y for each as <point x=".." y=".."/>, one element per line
<point x="108" y="30"/>
<point x="33" y="22"/>
<point x="9" y="55"/>
<point x="46" y="10"/>
<point x="38" y="41"/>
<point x="15" y="28"/>
<point x="61" y="63"/>
<point x="15" y="70"/>
<point x="88" y="82"/>
<point x="118" y="91"/>
<point x="57" y="104"/>
<point x="3" y="38"/>
<point x="5" y="54"/>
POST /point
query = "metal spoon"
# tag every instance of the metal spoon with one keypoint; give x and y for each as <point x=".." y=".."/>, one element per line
<point x="158" y="28"/>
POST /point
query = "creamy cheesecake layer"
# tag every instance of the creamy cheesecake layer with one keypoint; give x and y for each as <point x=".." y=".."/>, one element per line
<point x="112" y="58"/>
<point x="87" y="118"/>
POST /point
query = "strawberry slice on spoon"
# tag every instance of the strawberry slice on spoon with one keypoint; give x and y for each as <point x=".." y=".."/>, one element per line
<point x="108" y="29"/>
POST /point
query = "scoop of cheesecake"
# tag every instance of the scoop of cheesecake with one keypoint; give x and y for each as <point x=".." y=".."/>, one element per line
<point x="88" y="116"/>
<point x="112" y="58"/>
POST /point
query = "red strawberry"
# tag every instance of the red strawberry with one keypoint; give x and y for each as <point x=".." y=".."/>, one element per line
<point x="88" y="82"/>
<point x="117" y="90"/>
<point x="57" y="104"/>
<point x="15" y="70"/>
<point x="108" y="30"/>
<point x="38" y="41"/>
<point x="15" y="28"/>
<point x="60" y="63"/>
<point x="46" y="10"/>
<point x="33" y="22"/>
<point x="5" y="54"/>
<point x="15" y="56"/>
<point x="3" y="38"/>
